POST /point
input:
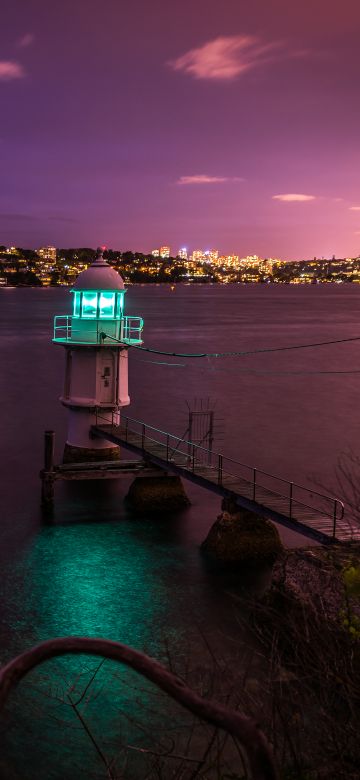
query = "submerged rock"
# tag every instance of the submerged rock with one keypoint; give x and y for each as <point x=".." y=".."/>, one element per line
<point x="157" y="495"/>
<point x="242" y="538"/>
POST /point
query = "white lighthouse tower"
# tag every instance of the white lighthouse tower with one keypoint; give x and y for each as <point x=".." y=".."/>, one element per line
<point x="96" y="338"/>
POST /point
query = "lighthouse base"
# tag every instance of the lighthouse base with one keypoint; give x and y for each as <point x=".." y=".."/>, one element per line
<point x="157" y="495"/>
<point x="74" y="454"/>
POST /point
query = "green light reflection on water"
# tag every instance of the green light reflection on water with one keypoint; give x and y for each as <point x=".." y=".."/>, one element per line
<point x="91" y="580"/>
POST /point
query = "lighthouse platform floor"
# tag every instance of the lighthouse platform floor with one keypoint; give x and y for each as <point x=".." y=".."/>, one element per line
<point x="93" y="470"/>
<point x="307" y="512"/>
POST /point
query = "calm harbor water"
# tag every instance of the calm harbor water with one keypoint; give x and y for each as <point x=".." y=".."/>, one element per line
<point x="97" y="570"/>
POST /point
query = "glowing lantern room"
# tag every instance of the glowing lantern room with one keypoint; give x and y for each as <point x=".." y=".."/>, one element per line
<point x="98" y="309"/>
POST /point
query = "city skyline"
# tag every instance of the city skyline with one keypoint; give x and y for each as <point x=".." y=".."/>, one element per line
<point x="238" y="123"/>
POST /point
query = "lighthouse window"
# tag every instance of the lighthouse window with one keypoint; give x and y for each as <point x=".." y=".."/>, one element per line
<point x="89" y="304"/>
<point x="119" y="305"/>
<point x="76" y="311"/>
<point x="107" y="304"/>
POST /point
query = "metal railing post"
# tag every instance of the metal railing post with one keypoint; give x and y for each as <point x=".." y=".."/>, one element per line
<point x="220" y="469"/>
<point x="290" y="500"/>
<point x="334" y="519"/>
<point x="193" y="457"/>
<point x="167" y="448"/>
<point x="143" y="436"/>
<point x="254" y="484"/>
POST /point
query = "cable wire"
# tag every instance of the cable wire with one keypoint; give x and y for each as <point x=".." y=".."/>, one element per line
<point x="249" y="370"/>
<point x="232" y="354"/>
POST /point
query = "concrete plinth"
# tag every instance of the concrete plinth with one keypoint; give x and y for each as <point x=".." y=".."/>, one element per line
<point x="74" y="454"/>
<point x="242" y="538"/>
<point x="157" y="495"/>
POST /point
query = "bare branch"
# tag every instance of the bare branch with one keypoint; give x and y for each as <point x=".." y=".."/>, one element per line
<point x="257" y="748"/>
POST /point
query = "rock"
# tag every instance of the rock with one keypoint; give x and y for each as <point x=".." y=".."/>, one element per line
<point x="242" y="538"/>
<point x="157" y="495"/>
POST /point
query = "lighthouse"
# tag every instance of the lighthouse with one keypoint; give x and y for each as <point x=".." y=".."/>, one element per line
<point x="96" y="337"/>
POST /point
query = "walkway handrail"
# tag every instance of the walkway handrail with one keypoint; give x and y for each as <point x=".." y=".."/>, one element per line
<point x="219" y="458"/>
<point x="232" y="460"/>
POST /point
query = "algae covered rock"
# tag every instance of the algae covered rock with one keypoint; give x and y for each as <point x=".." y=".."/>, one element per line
<point x="157" y="495"/>
<point x="242" y="538"/>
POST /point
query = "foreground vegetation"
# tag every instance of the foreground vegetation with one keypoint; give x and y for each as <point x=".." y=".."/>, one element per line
<point x="294" y="670"/>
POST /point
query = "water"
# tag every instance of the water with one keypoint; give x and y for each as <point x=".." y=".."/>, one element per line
<point x="98" y="571"/>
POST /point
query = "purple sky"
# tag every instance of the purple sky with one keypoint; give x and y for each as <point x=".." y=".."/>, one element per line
<point x="135" y="123"/>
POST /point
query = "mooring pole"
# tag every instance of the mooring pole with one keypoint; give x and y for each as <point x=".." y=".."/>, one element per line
<point x="48" y="474"/>
<point x="49" y="450"/>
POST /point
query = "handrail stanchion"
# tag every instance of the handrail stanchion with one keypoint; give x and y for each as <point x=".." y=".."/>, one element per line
<point x="167" y="448"/>
<point x="334" y="519"/>
<point x="143" y="436"/>
<point x="220" y="468"/>
<point x="290" y="500"/>
<point x="254" y="484"/>
<point x="193" y="457"/>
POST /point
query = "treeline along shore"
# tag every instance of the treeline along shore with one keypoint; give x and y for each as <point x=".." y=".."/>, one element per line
<point x="54" y="267"/>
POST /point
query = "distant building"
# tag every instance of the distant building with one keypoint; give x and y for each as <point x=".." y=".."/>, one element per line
<point x="197" y="256"/>
<point x="164" y="251"/>
<point x="155" y="252"/>
<point x="232" y="261"/>
<point x="213" y="255"/>
<point x="47" y="253"/>
<point x="183" y="253"/>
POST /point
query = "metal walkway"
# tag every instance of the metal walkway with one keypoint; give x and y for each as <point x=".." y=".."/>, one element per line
<point x="312" y="514"/>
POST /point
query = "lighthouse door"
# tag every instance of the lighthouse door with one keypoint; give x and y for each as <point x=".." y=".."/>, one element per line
<point x="106" y="379"/>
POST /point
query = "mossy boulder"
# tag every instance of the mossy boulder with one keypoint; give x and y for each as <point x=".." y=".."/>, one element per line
<point x="157" y="495"/>
<point x="242" y="538"/>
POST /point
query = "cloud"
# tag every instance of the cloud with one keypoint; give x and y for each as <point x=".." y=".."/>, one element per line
<point x="202" y="178"/>
<point x="292" y="197"/>
<point x="11" y="70"/>
<point x="354" y="208"/>
<point x="58" y="218"/>
<point x="22" y="217"/>
<point x="224" y="58"/>
<point x="25" y="41"/>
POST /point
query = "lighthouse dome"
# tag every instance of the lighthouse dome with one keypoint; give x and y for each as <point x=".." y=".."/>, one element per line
<point x="99" y="276"/>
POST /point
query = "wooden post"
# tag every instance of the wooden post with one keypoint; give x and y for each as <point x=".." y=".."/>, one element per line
<point x="48" y="474"/>
<point x="49" y="450"/>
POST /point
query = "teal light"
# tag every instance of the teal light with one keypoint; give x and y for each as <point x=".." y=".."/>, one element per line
<point x="98" y="304"/>
<point x="106" y="305"/>
<point x="77" y="299"/>
<point x="119" y="305"/>
<point x="89" y="304"/>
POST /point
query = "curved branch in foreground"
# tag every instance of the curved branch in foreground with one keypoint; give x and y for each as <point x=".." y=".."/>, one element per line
<point x="259" y="754"/>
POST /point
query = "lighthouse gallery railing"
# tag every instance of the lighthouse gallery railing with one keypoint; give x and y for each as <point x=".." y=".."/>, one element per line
<point x="66" y="329"/>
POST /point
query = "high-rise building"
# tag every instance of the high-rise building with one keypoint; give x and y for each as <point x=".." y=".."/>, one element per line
<point x="164" y="251"/>
<point x="197" y="256"/>
<point x="155" y="253"/>
<point x="213" y="255"/>
<point x="183" y="254"/>
<point x="47" y="253"/>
